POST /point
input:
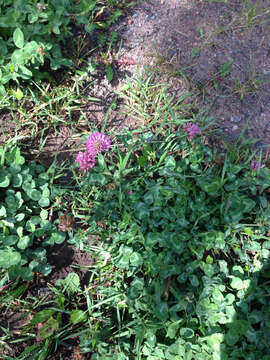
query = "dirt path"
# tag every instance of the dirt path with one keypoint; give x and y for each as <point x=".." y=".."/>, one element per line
<point x="218" y="50"/>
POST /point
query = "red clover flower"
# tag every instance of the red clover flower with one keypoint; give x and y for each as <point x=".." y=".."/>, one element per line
<point x="96" y="143"/>
<point x="86" y="161"/>
<point x="254" y="166"/>
<point x="40" y="6"/>
<point x="192" y="130"/>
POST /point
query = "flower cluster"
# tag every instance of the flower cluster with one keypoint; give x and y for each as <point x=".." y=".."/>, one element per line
<point x="40" y="6"/>
<point x="255" y="165"/>
<point x="96" y="143"/>
<point x="192" y="130"/>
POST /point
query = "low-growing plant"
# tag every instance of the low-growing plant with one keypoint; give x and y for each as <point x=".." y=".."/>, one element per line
<point x="187" y="233"/>
<point x="33" y="34"/>
<point x="25" y="225"/>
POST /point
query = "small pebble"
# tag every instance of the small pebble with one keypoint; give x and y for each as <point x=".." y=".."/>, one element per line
<point x="236" y="119"/>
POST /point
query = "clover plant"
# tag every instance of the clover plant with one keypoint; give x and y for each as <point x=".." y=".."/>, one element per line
<point x="25" y="228"/>
<point x="34" y="33"/>
<point x="187" y="232"/>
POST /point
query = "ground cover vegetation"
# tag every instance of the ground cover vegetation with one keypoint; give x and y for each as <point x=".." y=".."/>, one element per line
<point x="176" y="229"/>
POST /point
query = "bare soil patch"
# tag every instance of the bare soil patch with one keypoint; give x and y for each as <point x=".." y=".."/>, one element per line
<point x="220" y="51"/>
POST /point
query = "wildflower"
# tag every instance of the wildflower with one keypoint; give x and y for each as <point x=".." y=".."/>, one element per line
<point x="86" y="160"/>
<point x="40" y="6"/>
<point x="254" y="166"/>
<point x="192" y="130"/>
<point x="97" y="143"/>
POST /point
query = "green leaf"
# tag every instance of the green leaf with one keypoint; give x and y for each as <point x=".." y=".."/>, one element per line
<point x="141" y="210"/>
<point x="44" y="214"/>
<point x="229" y="299"/>
<point x="10" y="240"/>
<point x="135" y="259"/>
<point x="2" y="90"/>
<point x="58" y="237"/>
<point x="8" y="258"/>
<point x="3" y="211"/>
<point x="17" y="180"/>
<point x="45" y="269"/>
<point x="24" y="242"/>
<point x="17" y="93"/>
<point x="33" y="17"/>
<point x="209" y="259"/>
<point x="239" y="326"/>
<point x="4" y="178"/>
<point x="26" y="274"/>
<point x="48" y="329"/>
<point x="18" y="38"/>
<point x="215" y="340"/>
<point x="109" y="72"/>
<point x="30" y="226"/>
<point x="161" y="311"/>
<point x="34" y="194"/>
<point x="77" y="316"/>
<point x="217" y="296"/>
<point x="186" y="333"/>
<point x="173" y="329"/>
<point x="27" y="74"/>
<point x="170" y="162"/>
<point x="211" y="187"/>
<point x="237" y="283"/>
<point x="232" y="337"/>
<point x="42" y="316"/>
<point x="44" y="202"/>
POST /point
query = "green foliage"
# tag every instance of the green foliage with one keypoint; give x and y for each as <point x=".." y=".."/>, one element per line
<point x="33" y="34"/>
<point x="24" y="226"/>
<point x="188" y="246"/>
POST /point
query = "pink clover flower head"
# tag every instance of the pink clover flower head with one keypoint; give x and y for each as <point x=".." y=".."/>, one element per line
<point x="97" y="143"/>
<point x="86" y="161"/>
<point x="40" y="6"/>
<point x="192" y="130"/>
<point x="255" y="165"/>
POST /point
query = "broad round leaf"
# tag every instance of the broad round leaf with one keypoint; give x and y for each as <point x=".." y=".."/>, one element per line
<point x="24" y="242"/>
<point x="18" y="38"/>
<point x="77" y="316"/>
<point x="34" y="194"/>
<point x="58" y="237"/>
<point x="17" y="180"/>
<point x="136" y="259"/>
<point x="44" y="202"/>
<point x="186" y="333"/>
<point x="48" y="329"/>
<point x="9" y="258"/>
<point x="42" y="316"/>
<point x="4" y="178"/>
